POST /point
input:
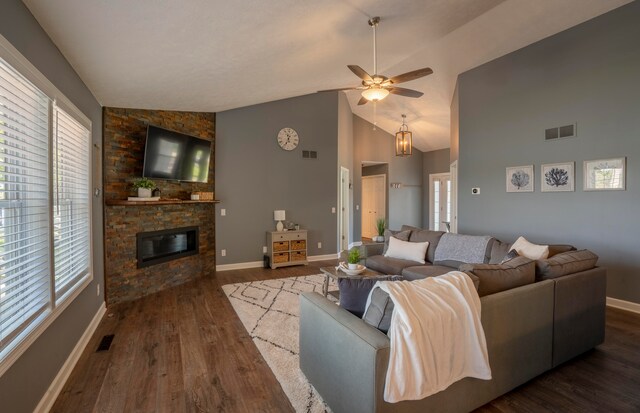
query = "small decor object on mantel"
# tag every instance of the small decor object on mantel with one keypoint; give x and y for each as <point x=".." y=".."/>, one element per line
<point x="520" y="179"/>
<point x="557" y="177"/>
<point x="380" y="226"/>
<point x="605" y="174"/>
<point x="144" y="187"/>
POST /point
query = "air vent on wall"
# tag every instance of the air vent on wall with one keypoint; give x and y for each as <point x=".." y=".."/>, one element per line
<point x="310" y="154"/>
<point x="560" y="132"/>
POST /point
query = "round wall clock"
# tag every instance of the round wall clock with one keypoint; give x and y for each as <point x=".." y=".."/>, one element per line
<point x="288" y="139"/>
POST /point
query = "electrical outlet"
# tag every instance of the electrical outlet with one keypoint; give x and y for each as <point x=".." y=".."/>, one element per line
<point x="357" y="207"/>
<point x="333" y="210"/>
<point x="98" y="289"/>
<point x="223" y="253"/>
<point x="264" y="249"/>
<point x="475" y="191"/>
<point x="223" y="212"/>
<point x="319" y="245"/>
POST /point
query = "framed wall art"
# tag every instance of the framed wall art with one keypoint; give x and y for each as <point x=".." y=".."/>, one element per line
<point x="520" y="178"/>
<point x="605" y="174"/>
<point x="557" y="177"/>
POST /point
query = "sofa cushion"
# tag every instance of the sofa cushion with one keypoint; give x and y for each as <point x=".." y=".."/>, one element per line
<point x="530" y="250"/>
<point x="456" y="249"/>
<point x="378" y="313"/>
<point x="355" y="291"/>
<point x="500" y="277"/>
<point x="412" y="251"/>
<point x="559" y="248"/>
<point x="386" y="265"/>
<point x="425" y="235"/>
<point x="499" y="250"/>
<point x="565" y="263"/>
<point x="402" y="235"/>
<point x="424" y="271"/>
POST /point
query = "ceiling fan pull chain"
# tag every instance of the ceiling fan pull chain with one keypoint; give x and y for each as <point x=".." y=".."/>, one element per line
<point x="375" y="113"/>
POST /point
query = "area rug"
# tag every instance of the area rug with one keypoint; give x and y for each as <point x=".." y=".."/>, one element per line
<point x="270" y="311"/>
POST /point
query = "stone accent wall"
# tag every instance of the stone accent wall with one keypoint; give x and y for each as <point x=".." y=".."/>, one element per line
<point x="124" y="135"/>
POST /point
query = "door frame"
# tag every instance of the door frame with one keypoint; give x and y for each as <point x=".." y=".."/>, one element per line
<point x="453" y="171"/>
<point x="384" y="200"/>
<point x="343" y="208"/>
<point x="432" y="178"/>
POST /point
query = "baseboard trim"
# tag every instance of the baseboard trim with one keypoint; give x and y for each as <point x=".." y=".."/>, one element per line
<point x="259" y="264"/>
<point x="49" y="398"/>
<point x="623" y="305"/>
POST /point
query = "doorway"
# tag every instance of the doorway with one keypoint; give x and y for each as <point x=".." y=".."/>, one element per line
<point x="343" y="220"/>
<point x="374" y="196"/>
<point x="440" y="202"/>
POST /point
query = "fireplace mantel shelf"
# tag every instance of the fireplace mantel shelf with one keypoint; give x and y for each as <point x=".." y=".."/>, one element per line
<point x="122" y="202"/>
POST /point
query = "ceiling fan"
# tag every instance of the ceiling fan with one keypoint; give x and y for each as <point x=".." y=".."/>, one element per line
<point x="376" y="87"/>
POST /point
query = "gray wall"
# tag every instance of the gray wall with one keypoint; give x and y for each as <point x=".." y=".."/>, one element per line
<point x="345" y="150"/>
<point x="24" y="384"/>
<point x="433" y="162"/>
<point x="589" y="75"/>
<point x="455" y="127"/>
<point x="405" y="203"/>
<point x="254" y="176"/>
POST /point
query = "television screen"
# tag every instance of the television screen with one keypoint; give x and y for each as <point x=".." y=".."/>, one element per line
<point x="176" y="156"/>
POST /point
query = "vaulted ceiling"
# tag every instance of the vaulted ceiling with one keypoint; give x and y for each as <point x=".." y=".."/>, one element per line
<point x="213" y="55"/>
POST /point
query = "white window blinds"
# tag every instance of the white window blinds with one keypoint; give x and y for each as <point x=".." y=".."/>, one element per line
<point x="24" y="203"/>
<point x="71" y="204"/>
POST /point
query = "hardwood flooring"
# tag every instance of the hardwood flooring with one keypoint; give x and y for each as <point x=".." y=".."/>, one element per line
<point x="185" y="350"/>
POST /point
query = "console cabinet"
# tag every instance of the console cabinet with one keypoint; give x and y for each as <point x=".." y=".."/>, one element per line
<point x="287" y="248"/>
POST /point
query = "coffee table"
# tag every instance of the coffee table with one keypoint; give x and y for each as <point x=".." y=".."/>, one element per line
<point x="332" y="272"/>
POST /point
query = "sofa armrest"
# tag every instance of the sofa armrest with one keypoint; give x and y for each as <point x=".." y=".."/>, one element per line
<point x="369" y="250"/>
<point x="341" y="355"/>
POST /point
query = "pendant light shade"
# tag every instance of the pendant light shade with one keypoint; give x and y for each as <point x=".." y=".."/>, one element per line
<point x="404" y="139"/>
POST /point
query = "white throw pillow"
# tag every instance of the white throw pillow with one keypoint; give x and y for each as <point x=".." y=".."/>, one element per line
<point x="404" y="250"/>
<point x="529" y="250"/>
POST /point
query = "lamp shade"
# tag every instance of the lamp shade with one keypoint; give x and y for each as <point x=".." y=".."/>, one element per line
<point x="279" y="215"/>
<point x="375" y="93"/>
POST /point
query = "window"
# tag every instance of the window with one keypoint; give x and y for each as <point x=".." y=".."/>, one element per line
<point x="45" y="204"/>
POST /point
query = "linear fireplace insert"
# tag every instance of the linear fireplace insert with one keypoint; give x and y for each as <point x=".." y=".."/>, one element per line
<point x="156" y="247"/>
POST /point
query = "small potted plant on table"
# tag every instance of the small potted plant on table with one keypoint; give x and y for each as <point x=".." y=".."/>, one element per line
<point x="144" y="187"/>
<point x="353" y="259"/>
<point x="380" y="225"/>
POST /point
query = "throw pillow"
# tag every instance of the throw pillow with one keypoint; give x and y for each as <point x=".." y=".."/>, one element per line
<point x="355" y="291"/>
<point x="412" y="251"/>
<point x="378" y="313"/>
<point x="500" y="277"/>
<point x="401" y="235"/>
<point x="510" y="255"/>
<point x="565" y="263"/>
<point x="530" y="250"/>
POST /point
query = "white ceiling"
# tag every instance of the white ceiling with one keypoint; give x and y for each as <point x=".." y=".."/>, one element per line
<point x="213" y="55"/>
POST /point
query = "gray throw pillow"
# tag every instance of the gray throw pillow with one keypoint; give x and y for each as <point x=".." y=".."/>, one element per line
<point x="379" y="312"/>
<point x="355" y="291"/>
<point x="510" y="255"/>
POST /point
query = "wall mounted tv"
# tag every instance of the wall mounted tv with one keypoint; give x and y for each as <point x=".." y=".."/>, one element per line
<point x="176" y="156"/>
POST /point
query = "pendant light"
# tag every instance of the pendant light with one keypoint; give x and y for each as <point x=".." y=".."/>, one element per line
<point x="404" y="139"/>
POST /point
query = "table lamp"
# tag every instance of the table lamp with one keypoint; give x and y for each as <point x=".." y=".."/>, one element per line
<point x="278" y="215"/>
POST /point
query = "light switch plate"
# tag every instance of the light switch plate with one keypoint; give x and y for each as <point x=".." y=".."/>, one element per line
<point x="223" y="212"/>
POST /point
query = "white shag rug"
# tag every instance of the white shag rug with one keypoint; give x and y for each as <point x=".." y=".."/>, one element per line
<point x="270" y="310"/>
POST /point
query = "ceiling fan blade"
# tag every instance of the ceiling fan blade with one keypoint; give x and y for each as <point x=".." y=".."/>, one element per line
<point x="338" y="89"/>
<point x="405" y="77"/>
<point x="363" y="101"/>
<point x="405" y="92"/>
<point x="358" y="71"/>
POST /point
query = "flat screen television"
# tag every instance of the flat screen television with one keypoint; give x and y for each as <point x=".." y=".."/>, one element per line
<point x="175" y="156"/>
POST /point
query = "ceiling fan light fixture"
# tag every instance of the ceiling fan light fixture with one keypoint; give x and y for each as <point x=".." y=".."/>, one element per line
<point x="375" y="93"/>
<point x="404" y="139"/>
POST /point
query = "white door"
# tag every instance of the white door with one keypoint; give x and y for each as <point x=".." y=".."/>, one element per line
<point x="373" y="203"/>
<point x="440" y="202"/>
<point x="343" y="232"/>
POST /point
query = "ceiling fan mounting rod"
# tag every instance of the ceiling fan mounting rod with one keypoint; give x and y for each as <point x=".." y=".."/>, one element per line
<point x="373" y="22"/>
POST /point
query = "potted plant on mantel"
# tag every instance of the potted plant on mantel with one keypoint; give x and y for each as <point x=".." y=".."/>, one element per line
<point x="380" y="225"/>
<point x="144" y="187"/>
<point x="353" y="259"/>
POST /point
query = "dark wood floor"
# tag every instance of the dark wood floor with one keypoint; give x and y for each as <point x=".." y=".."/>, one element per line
<point x="185" y="350"/>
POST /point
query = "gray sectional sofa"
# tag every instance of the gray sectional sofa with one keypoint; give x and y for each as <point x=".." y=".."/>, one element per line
<point x="536" y="315"/>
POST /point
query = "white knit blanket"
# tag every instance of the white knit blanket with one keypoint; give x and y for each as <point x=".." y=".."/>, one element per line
<point x="436" y="336"/>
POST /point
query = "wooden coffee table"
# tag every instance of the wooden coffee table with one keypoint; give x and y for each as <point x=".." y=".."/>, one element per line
<point x="332" y="272"/>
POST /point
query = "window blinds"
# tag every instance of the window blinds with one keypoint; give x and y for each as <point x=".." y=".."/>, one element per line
<point x="24" y="203"/>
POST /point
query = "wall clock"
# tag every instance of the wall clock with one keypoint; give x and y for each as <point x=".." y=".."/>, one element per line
<point x="288" y="139"/>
